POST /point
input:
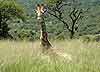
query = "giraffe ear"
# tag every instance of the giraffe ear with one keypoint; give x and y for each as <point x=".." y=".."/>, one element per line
<point x="42" y="8"/>
<point x="38" y="7"/>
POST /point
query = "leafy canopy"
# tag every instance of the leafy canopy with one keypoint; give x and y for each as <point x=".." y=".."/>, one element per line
<point x="10" y="8"/>
<point x="51" y="2"/>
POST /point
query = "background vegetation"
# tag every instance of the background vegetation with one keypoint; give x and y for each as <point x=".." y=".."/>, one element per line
<point x="29" y="29"/>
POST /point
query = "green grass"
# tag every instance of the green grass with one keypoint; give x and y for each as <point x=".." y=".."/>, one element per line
<point x="74" y="56"/>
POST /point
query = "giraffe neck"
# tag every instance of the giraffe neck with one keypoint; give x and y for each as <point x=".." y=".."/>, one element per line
<point x="43" y="28"/>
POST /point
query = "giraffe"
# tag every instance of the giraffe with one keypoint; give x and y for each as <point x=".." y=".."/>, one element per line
<point x="40" y="10"/>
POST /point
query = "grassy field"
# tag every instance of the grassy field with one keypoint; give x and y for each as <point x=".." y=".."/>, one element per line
<point x="71" y="56"/>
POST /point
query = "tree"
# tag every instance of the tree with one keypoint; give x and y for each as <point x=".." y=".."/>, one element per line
<point x="75" y="15"/>
<point x="51" y="2"/>
<point x="9" y="9"/>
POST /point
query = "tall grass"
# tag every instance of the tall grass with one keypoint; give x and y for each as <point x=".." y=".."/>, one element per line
<point x="74" y="56"/>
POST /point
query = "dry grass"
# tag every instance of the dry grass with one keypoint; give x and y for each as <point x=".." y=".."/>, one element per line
<point x="67" y="56"/>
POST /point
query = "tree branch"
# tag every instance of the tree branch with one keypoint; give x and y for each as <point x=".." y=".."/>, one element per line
<point x="65" y="23"/>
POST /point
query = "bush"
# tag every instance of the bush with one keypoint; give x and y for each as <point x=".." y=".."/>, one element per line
<point x="97" y="38"/>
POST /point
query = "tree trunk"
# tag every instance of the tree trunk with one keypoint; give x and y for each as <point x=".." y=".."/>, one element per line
<point x="72" y="34"/>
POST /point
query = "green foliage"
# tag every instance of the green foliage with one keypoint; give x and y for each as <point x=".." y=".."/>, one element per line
<point x="90" y="38"/>
<point x="9" y="10"/>
<point x="86" y="39"/>
<point x="29" y="29"/>
<point x="97" y="38"/>
<point x="51" y="2"/>
<point x="12" y="9"/>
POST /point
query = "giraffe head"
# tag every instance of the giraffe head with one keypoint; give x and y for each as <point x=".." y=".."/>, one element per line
<point x="40" y="10"/>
